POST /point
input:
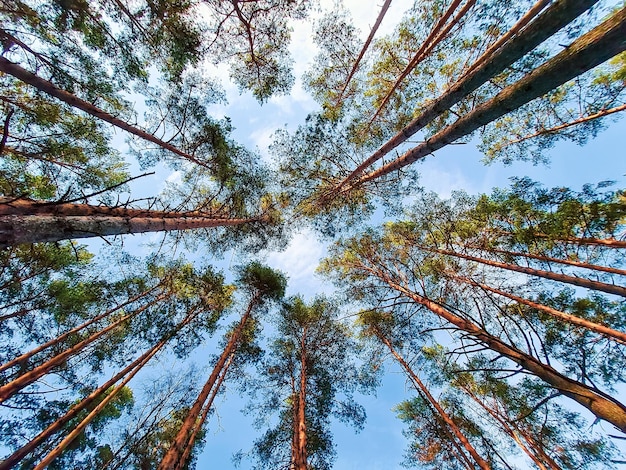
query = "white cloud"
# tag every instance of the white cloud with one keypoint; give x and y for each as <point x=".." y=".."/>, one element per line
<point x="299" y="262"/>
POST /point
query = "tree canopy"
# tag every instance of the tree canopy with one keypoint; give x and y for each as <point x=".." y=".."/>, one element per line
<point x="502" y="308"/>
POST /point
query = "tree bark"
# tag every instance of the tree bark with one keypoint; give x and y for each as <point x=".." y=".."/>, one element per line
<point x="49" y="88"/>
<point x="25" y="221"/>
<point x="138" y="363"/>
<point x="576" y="281"/>
<point x="482" y="463"/>
<point x="173" y="456"/>
<point x="592" y="49"/>
<point x="600" y="404"/>
<point x="196" y="430"/>
<point x="435" y="37"/>
<point x="553" y="19"/>
<point x="13" y="387"/>
<point x="24" y="357"/>
<point x="539" y="459"/>
<point x="300" y="457"/>
<point x="368" y="41"/>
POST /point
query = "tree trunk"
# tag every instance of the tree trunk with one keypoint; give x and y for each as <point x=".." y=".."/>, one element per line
<point x="567" y="317"/>
<point x="24" y="357"/>
<point x="504" y="423"/>
<point x="435" y="37"/>
<point x="548" y="259"/>
<point x="600" y="404"/>
<point x="25" y="221"/>
<point x="368" y="41"/>
<point x="173" y="456"/>
<point x="49" y="88"/>
<point x="300" y="460"/>
<point x="553" y="19"/>
<point x="80" y="427"/>
<point x="196" y="430"/>
<point x="138" y="363"/>
<point x="13" y="387"/>
<point x="573" y="280"/>
<point x="592" y="49"/>
<point x="482" y="463"/>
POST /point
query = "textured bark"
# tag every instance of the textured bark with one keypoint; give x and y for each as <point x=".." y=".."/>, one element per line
<point x="582" y="120"/>
<point x="553" y="19"/>
<point x="26" y="221"/>
<point x="300" y="456"/>
<point x="600" y="404"/>
<point x="172" y="458"/>
<point x="76" y="431"/>
<point x="534" y="452"/>
<point x="49" y="88"/>
<point x="482" y="463"/>
<point x="573" y="280"/>
<point x="569" y="318"/>
<point x="592" y="49"/>
<point x="24" y="357"/>
<point x="13" y="387"/>
<point x="368" y="41"/>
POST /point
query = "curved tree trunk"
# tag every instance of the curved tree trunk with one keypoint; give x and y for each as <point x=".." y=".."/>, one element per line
<point x="592" y="49"/>
<point x="553" y="19"/>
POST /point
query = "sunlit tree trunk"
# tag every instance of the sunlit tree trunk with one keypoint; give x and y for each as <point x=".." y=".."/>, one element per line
<point x="482" y="463"/>
<point x="13" y="387"/>
<point x="600" y="404"/>
<point x="172" y="458"/>
<point x="25" y="221"/>
<point x="567" y="317"/>
<point x="24" y="357"/>
<point x="553" y="19"/>
<point x="573" y="280"/>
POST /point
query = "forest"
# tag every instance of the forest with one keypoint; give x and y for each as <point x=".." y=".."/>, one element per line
<point x="138" y="224"/>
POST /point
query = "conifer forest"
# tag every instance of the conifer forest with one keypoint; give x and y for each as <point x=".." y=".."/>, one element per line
<point x="143" y="314"/>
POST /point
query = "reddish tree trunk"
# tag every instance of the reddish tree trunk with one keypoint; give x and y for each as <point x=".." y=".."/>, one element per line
<point x="576" y="281"/>
<point x="569" y="318"/>
<point x="173" y="456"/>
<point x="25" y="221"/>
<point x="11" y="388"/>
<point x="24" y="357"/>
<point x="601" y="405"/>
<point x="482" y="463"/>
